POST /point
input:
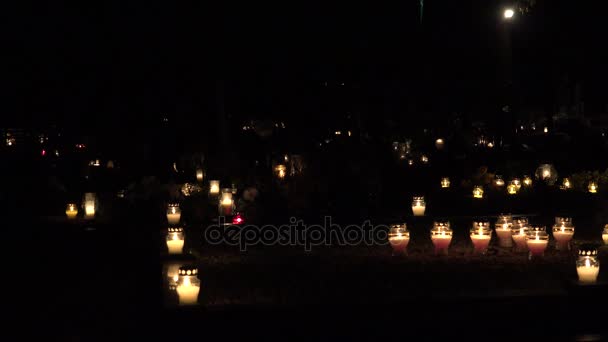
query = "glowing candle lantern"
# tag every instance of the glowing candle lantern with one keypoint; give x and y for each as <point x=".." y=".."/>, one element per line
<point x="399" y="238"/>
<point x="89" y="204"/>
<point x="516" y="182"/>
<point x="174" y="214"/>
<point x="439" y="144"/>
<point x="503" y="230"/>
<point x="424" y="159"/>
<point x="537" y="241"/>
<point x="566" y="184"/>
<point x="512" y="189"/>
<point x="410" y="162"/>
<point x="441" y="235"/>
<point x="280" y="171"/>
<point x="587" y="265"/>
<point x="200" y="175"/>
<point x="214" y="187"/>
<point x="499" y="181"/>
<point x="226" y="205"/>
<point x="480" y="236"/>
<point x="477" y="191"/>
<point x="175" y="240"/>
<point x="188" y="285"/>
<point x="563" y="231"/>
<point x="527" y="181"/>
<point x="592" y="187"/>
<point x="418" y="206"/>
<point x="71" y="211"/>
<point x="605" y="235"/>
<point x="546" y="173"/>
<point x="519" y="231"/>
<point x="445" y="182"/>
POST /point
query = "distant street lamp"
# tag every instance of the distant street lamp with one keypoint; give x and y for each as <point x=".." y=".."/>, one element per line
<point x="508" y="13"/>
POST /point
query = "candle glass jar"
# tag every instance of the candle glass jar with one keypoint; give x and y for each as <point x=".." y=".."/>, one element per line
<point x="605" y="235"/>
<point x="424" y="159"/>
<point x="478" y="192"/>
<point x="445" y="182"/>
<point x="200" y="175"/>
<point x="527" y="181"/>
<point x="563" y="233"/>
<point x="587" y="265"/>
<point x="418" y="206"/>
<point x="71" y="211"/>
<point x="174" y="214"/>
<point x="537" y="240"/>
<point x="519" y="235"/>
<point x="504" y="224"/>
<point x="546" y="173"/>
<point x="566" y="184"/>
<point x="499" y="181"/>
<point x="280" y="171"/>
<point x="480" y="236"/>
<point x="188" y="285"/>
<point x="441" y="236"/>
<point x="175" y="240"/>
<point x="214" y="187"/>
<point x="592" y="187"/>
<point x="512" y="189"/>
<point x="399" y="238"/>
<point x="90" y="205"/>
<point x="516" y="182"/>
<point x="226" y="205"/>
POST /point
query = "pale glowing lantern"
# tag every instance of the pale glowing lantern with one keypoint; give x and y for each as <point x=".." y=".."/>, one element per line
<point x="71" y="211"/>
<point x="504" y="224"/>
<point x="439" y="144"/>
<point x="226" y="205"/>
<point x="200" y="175"/>
<point x="214" y="187"/>
<point x="90" y="205"/>
<point x="424" y="159"/>
<point x="480" y="236"/>
<point x="175" y="240"/>
<point x="445" y="182"/>
<point x="174" y="213"/>
<point x="499" y="181"/>
<point x="516" y="182"/>
<point x="605" y="235"/>
<point x="418" y="205"/>
<point x="527" y="181"/>
<point x="441" y="235"/>
<point x="188" y="285"/>
<point x="592" y="187"/>
<point x="280" y="171"/>
<point x="566" y="184"/>
<point x="478" y="191"/>
<point x="512" y="189"/>
<point x="587" y="264"/>
<point x="399" y="238"/>
<point x="563" y="231"/>
<point x="546" y="173"/>
<point x="537" y="241"/>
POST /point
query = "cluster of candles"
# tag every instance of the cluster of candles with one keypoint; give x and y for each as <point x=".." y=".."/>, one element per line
<point x="183" y="279"/>
<point x="510" y="232"/>
<point x="89" y="204"/>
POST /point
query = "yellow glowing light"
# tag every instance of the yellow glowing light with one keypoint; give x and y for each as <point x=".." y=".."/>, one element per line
<point x="592" y="187"/>
<point x="508" y="13"/>
<point x="478" y="192"/>
<point x="445" y="182"/>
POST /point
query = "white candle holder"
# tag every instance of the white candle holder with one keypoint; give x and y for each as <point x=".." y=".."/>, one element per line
<point x="537" y="241"/>
<point x="71" y="211"/>
<point x="399" y="238"/>
<point x="441" y="235"/>
<point x="563" y="233"/>
<point x="174" y="214"/>
<point x="175" y="240"/>
<point x="226" y="204"/>
<point x="480" y="236"/>
<point x="214" y="187"/>
<point x="587" y="265"/>
<point x="90" y="205"/>
<point x="418" y="206"/>
<point x="519" y="232"/>
<point x="478" y="192"/>
<point x="188" y="285"/>
<point x="445" y="182"/>
<point x="504" y="224"/>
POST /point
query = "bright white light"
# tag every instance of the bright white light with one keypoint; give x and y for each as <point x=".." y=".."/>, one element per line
<point x="508" y="14"/>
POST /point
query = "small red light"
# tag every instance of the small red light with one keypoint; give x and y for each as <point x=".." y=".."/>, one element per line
<point x="43" y="153"/>
<point x="237" y="219"/>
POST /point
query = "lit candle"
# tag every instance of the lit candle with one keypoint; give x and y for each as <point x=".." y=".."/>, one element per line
<point x="605" y="235"/>
<point x="441" y="236"/>
<point x="71" y="211"/>
<point x="439" y="143"/>
<point x="566" y="183"/>
<point x="499" y="181"/>
<point x="226" y="202"/>
<point x="175" y="240"/>
<point x="537" y="241"/>
<point x="587" y="265"/>
<point x="188" y="285"/>
<point x="424" y="159"/>
<point x="512" y="189"/>
<point x="174" y="214"/>
<point x="214" y="187"/>
<point x="516" y="182"/>
<point x="199" y="175"/>
<point x="445" y="182"/>
<point x="592" y="187"/>
<point x="503" y="231"/>
<point x="418" y="206"/>
<point x="478" y="192"/>
<point x="89" y="205"/>
<point x="527" y="181"/>
<point x="519" y="237"/>
<point x="399" y="238"/>
<point x="562" y="233"/>
<point x="480" y="236"/>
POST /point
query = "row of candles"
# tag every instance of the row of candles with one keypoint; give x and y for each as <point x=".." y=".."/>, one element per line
<point x="516" y="184"/>
<point x="533" y="239"/>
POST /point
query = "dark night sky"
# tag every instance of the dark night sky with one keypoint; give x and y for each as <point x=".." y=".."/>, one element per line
<point x="117" y="62"/>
